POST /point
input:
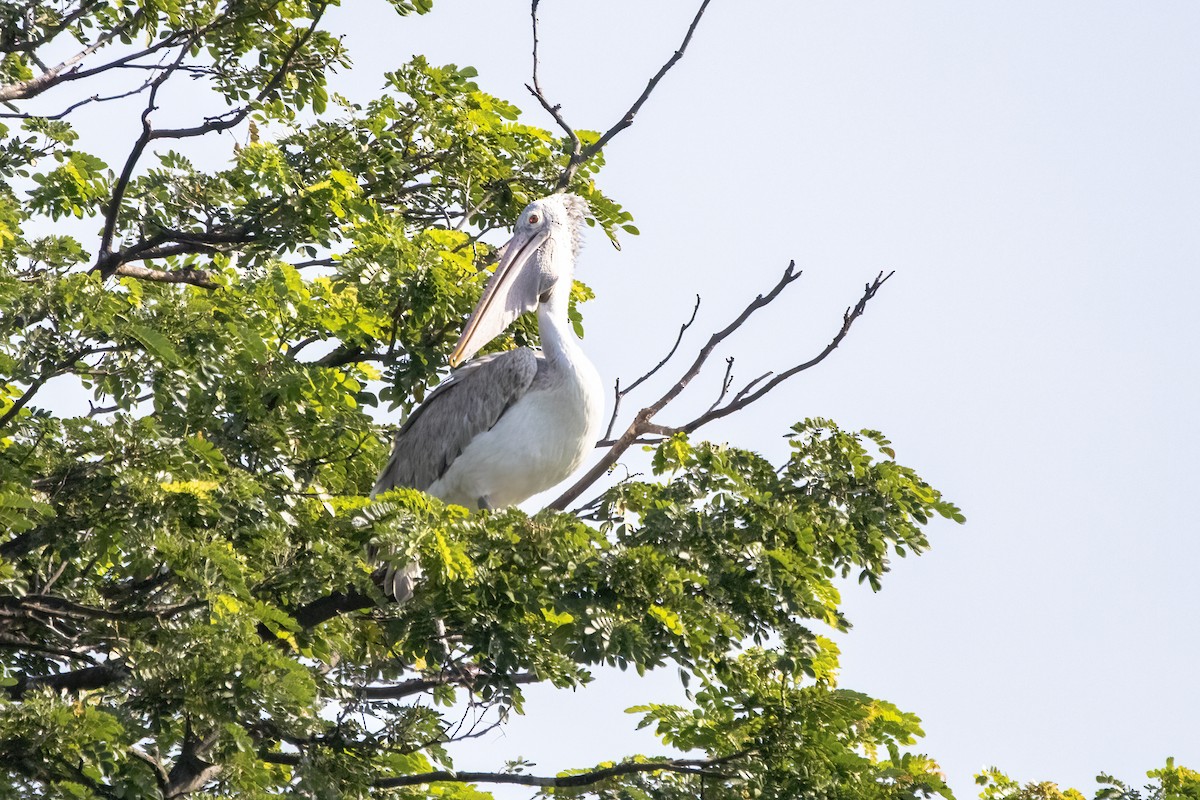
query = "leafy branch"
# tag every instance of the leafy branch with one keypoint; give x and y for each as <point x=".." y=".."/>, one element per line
<point x="686" y="766"/>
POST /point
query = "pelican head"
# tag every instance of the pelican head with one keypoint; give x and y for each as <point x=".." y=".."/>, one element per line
<point x="540" y="255"/>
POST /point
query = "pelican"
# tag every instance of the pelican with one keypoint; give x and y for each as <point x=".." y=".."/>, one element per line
<point x="503" y="427"/>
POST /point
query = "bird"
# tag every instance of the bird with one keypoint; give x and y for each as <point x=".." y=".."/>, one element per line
<point x="506" y="426"/>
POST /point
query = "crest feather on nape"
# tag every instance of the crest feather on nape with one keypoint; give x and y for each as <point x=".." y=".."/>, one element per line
<point x="577" y="211"/>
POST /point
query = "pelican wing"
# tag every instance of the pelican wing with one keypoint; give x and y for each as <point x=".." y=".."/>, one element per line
<point x="463" y="406"/>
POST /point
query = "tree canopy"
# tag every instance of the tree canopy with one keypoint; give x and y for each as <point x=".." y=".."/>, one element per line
<point x="187" y="605"/>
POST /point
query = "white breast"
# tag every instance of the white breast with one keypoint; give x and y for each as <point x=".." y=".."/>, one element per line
<point x="538" y="442"/>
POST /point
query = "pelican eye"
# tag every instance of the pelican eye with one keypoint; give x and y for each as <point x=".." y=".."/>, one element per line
<point x="533" y="219"/>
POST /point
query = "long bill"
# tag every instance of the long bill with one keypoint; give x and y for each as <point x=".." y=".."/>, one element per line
<point x="512" y="290"/>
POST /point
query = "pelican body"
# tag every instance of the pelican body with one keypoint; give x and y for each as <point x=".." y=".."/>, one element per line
<point x="507" y="426"/>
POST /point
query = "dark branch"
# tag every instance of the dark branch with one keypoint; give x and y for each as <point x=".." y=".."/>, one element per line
<point x="642" y="418"/>
<point x="80" y="103"/>
<point x="619" y="393"/>
<point x="107" y="261"/>
<point x="579" y="158"/>
<point x="554" y="110"/>
<point x="685" y="766"/>
<point x="330" y="606"/>
<point x="421" y="685"/>
<point x="74" y="681"/>
<point x="642" y="423"/>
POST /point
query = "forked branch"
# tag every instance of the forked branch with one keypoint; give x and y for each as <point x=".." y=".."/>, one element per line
<point x="581" y="155"/>
<point x="643" y="421"/>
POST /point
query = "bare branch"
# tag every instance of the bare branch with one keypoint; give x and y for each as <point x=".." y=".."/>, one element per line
<point x="642" y="423"/>
<point x="636" y="427"/>
<point x="619" y="393"/>
<point x="80" y="103"/>
<point x="745" y="390"/>
<point x="554" y="110"/>
<point x="726" y="382"/>
<point x="579" y="158"/>
<point x="746" y="397"/>
<point x="678" y="339"/>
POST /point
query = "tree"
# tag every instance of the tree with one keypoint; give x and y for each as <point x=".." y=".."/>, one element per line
<point x="187" y="605"/>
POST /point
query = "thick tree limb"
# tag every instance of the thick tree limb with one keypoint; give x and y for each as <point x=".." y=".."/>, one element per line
<point x="78" y="680"/>
<point x="195" y="277"/>
<point x="23" y="90"/>
<point x="330" y="606"/>
<point x="686" y="766"/>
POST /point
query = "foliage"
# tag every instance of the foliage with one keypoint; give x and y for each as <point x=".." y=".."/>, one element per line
<point x="187" y="606"/>
<point x="1171" y="782"/>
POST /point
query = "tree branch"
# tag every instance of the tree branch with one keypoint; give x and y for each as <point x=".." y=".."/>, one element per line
<point x="642" y="418"/>
<point x="619" y="393"/>
<point x="579" y="157"/>
<point x="77" y="680"/>
<point x="420" y="685"/>
<point x="745" y="397"/>
<point x="195" y="277"/>
<point x="23" y="90"/>
<point x="107" y="261"/>
<point x="680" y="765"/>
<point x="642" y="422"/>
<point x="554" y="110"/>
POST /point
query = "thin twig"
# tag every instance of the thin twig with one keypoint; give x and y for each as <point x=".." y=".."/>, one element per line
<point x="619" y="393"/>
<point x="726" y="382"/>
<point x="536" y="90"/>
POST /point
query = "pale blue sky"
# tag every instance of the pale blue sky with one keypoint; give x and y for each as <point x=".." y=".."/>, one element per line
<point x="1032" y="173"/>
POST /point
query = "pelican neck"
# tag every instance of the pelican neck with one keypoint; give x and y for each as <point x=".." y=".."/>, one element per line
<point x="559" y="342"/>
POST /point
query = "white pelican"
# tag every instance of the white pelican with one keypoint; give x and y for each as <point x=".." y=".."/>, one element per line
<point x="504" y="427"/>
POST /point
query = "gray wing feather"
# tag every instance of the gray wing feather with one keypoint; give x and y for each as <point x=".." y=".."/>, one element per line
<point x="463" y="406"/>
